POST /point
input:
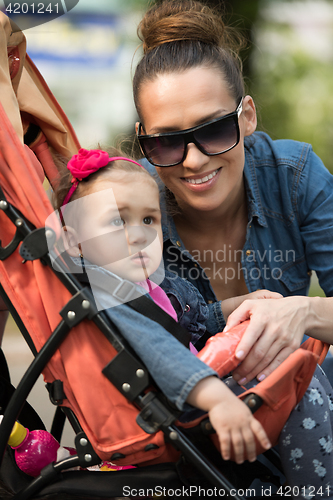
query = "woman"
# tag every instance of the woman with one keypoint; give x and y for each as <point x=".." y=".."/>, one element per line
<point x="248" y="212"/>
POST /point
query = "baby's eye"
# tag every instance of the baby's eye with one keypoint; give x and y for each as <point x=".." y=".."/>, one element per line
<point x="117" y="222"/>
<point x="148" y="220"/>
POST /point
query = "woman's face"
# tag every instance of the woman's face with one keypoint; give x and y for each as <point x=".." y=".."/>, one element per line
<point x="178" y="101"/>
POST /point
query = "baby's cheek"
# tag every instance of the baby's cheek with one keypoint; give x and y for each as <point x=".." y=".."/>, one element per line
<point x="106" y="248"/>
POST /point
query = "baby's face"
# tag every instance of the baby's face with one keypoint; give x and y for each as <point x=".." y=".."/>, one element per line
<point x="119" y="226"/>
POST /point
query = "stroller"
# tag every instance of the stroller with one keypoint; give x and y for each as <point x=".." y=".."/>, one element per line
<point x="93" y="377"/>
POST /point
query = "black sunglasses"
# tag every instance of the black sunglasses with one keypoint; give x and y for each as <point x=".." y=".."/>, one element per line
<point x="211" y="138"/>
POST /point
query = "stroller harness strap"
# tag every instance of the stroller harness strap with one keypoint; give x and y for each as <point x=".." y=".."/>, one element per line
<point x="148" y="308"/>
<point x="126" y="292"/>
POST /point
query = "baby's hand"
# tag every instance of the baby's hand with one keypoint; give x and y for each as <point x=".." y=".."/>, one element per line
<point x="237" y="428"/>
<point x="232" y="420"/>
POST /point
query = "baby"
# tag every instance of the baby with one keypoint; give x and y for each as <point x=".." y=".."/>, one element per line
<point x="110" y="210"/>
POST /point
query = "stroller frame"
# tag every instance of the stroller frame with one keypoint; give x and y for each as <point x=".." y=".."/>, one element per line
<point x="125" y="371"/>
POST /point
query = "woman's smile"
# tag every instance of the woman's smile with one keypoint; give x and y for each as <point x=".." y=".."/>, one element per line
<point x="172" y="102"/>
<point x="201" y="182"/>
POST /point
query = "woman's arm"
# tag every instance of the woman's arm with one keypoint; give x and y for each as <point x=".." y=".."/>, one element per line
<point x="276" y="329"/>
<point x="218" y="312"/>
<point x="229" y="305"/>
<point x="315" y="215"/>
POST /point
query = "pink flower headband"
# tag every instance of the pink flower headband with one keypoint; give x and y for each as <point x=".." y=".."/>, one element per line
<point x="85" y="163"/>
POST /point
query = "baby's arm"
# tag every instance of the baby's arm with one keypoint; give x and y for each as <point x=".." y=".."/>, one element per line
<point x="232" y="420"/>
<point x="183" y="377"/>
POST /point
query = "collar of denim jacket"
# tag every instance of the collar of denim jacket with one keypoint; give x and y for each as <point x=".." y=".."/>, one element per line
<point x="254" y="204"/>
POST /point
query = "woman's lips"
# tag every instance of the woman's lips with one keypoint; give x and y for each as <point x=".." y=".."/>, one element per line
<point x="202" y="182"/>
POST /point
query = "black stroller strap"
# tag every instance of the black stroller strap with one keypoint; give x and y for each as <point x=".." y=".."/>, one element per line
<point x="148" y="308"/>
<point x="126" y="292"/>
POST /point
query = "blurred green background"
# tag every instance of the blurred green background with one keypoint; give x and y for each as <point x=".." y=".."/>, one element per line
<point x="88" y="57"/>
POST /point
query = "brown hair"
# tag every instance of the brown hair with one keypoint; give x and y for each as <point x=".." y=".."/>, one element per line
<point x="182" y="34"/>
<point x="64" y="183"/>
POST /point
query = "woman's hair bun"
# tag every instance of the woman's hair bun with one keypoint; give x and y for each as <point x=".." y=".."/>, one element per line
<point x="173" y="20"/>
<point x="178" y="35"/>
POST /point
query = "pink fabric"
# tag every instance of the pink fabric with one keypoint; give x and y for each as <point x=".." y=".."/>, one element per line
<point x="162" y="300"/>
<point x="70" y="192"/>
<point x="87" y="162"/>
<point x="159" y="297"/>
<point x="193" y="349"/>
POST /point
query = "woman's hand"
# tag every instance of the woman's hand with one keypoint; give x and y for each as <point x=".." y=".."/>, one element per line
<point x="276" y="329"/>
<point x="232" y="420"/>
<point x="229" y="305"/>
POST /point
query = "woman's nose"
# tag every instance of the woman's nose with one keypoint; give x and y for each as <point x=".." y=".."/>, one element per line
<point x="194" y="159"/>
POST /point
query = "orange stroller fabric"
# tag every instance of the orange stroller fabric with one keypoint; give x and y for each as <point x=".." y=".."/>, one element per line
<point x="34" y="290"/>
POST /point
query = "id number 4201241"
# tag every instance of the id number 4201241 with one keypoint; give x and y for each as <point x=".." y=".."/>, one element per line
<point x="33" y="8"/>
<point x="305" y="491"/>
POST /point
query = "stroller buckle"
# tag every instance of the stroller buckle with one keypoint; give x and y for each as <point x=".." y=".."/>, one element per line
<point x="155" y="416"/>
<point x="37" y="243"/>
<point x="124" y="291"/>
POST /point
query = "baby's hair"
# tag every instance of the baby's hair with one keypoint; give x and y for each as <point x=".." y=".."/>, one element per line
<point x="64" y="181"/>
<point x="181" y="34"/>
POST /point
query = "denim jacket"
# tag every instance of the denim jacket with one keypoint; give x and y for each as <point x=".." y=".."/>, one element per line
<point x="173" y="367"/>
<point x="290" y="225"/>
<point x="191" y="308"/>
